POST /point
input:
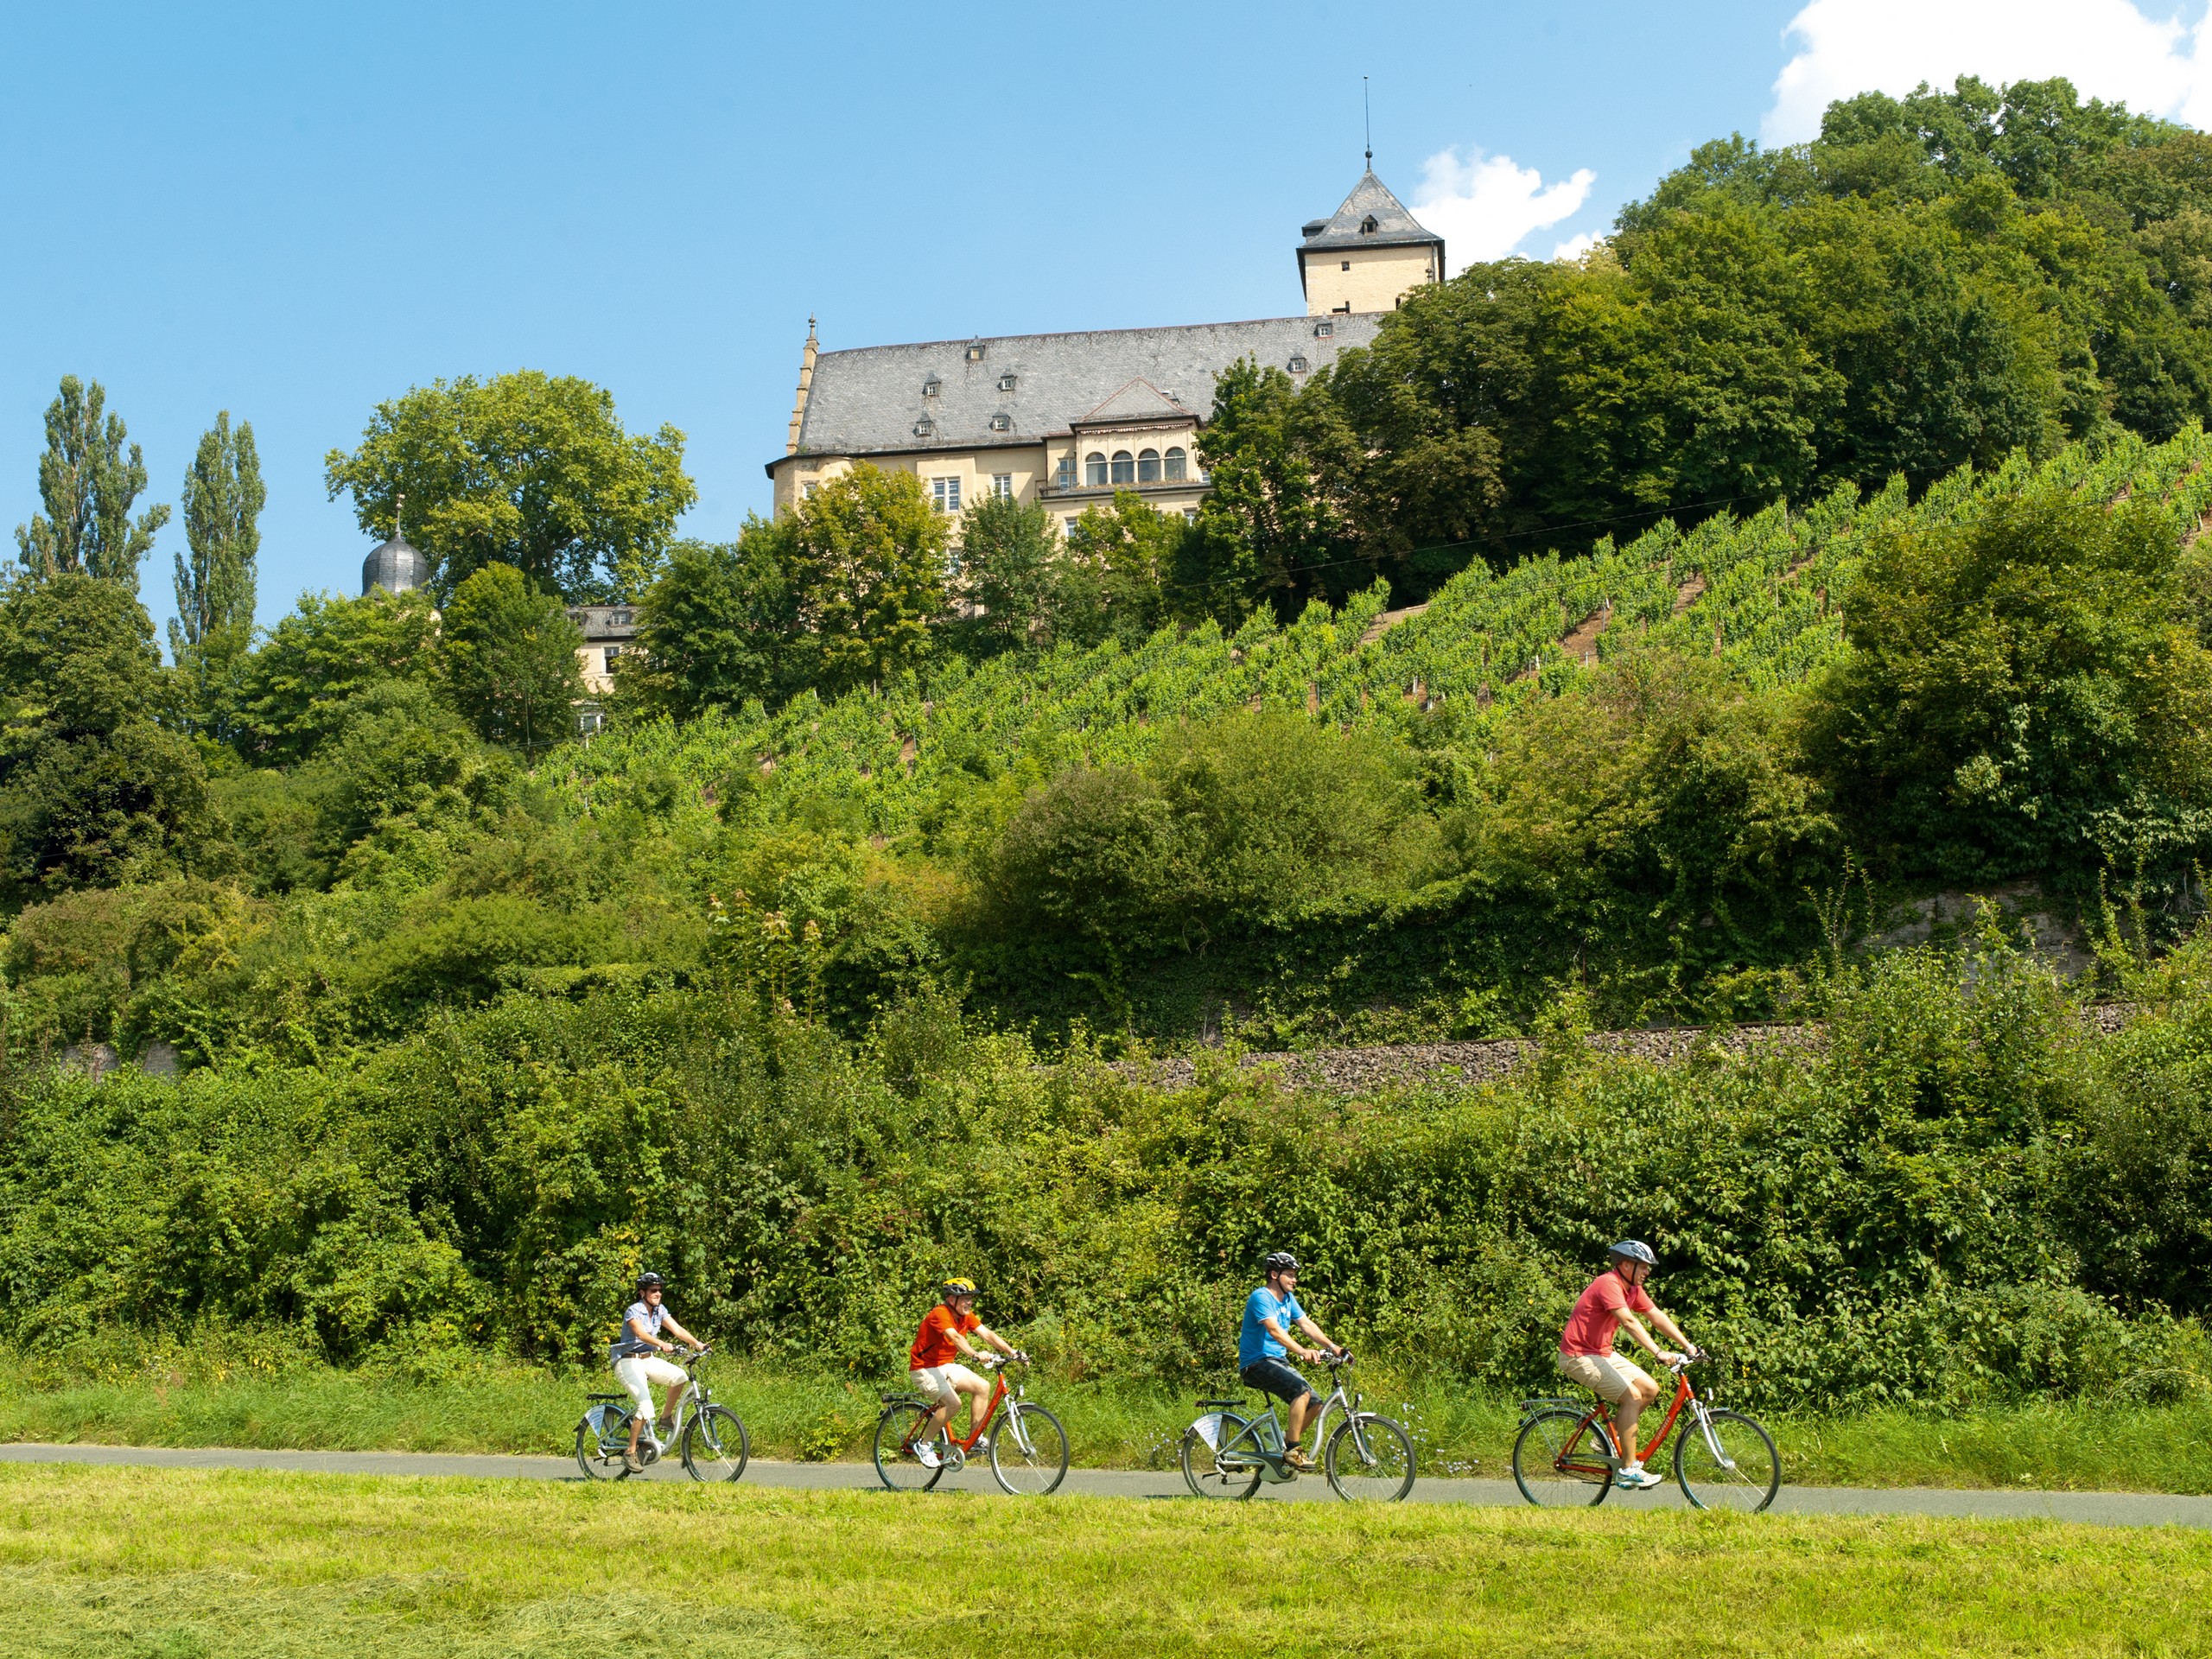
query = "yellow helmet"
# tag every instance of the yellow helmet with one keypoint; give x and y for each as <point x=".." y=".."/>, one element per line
<point x="952" y="1288"/>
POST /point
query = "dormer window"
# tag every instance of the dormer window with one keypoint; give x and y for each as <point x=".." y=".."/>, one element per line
<point x="1322" y="330"/>
<point x="1001" y="423"/>
<point x="924" y="427"/>
<point x="932" y="386"/>
<point x="975" y="353"/>
<point x="1298" y="366"/>
<point x="1005" y="382"/>
<point x="1368" y="226"/>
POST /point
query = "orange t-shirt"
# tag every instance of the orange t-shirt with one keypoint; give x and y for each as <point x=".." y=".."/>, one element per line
<point x="933" y="1342"/>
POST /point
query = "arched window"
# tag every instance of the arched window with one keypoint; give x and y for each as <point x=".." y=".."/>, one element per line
<point x="1094" y="470"/>
<point x="1147" y="466"/>
<point x="1178" y="466"/>
<point x="1125" y="467"/>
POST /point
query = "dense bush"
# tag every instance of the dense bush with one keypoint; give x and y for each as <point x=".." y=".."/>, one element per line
<point x="1966" y="1196"/>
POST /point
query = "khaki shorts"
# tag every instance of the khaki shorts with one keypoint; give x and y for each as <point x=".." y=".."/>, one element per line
<point x="944" y="1382"/>
<point x="1610" y="1374"/>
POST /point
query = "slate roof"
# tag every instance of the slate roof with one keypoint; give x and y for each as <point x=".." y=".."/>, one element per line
<point x="1370" y="198"/>
<point x="868" y="401"/>
<point x="1140" y="401"/>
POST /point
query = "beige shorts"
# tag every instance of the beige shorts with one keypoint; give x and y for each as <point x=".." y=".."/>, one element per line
<point x="1610" y="1374"/>
<point x="944" y="1381"/>
<point x="644" y="1373"/>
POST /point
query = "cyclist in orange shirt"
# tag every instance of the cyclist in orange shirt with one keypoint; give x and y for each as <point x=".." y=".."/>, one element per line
<point x="933" y="1367"/>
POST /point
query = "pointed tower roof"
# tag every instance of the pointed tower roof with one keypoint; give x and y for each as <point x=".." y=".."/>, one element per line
<point x="1371" y="216"/>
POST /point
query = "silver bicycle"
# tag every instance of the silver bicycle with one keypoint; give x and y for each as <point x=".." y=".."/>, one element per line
<point x="710" y="1438"/>
<point x="1227" y="1454"/>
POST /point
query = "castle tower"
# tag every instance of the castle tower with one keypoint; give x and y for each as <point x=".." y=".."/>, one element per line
<point x="806" y="356"/>
<point x="1368" y="255"/>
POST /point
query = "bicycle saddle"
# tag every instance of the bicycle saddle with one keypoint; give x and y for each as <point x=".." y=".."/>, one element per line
<point x="1217" y="1403"/>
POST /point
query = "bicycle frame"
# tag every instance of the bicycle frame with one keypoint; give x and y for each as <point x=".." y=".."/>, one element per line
<point x="1000" y="1392"/>
<point x="690" y="1403"/>
<point x="1684" y="1395"/>
<point x="1274" y="1457"/>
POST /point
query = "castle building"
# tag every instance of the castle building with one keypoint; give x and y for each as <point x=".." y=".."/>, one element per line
<point x="1068" y="419"/>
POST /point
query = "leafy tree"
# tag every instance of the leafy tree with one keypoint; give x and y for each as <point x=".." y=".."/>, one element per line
<point x="526" y="470"/>
<point x="88" y="488"/>
<point x="866" y="559"/>
<point x="1118" y="576"/>
<point x="2024" y="694"/>
<point x="720" y="626"/>
<point x="509" y="661"/>
<point x="214" y="624"/>
<point x="1269" y="524"/>
<point x="1009" y="575"/>
<point x="317" y="657"/>
<point x="93" y="791"/>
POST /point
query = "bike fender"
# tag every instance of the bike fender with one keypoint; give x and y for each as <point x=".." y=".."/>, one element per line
<point x="1209" y="1429"/>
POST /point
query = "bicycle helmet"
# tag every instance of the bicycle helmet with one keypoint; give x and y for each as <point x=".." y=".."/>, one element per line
<point x="952" y="1288"/>
<point x="1280" y="1261"/>
<point x="1633" y="1249"/>
<point x="650" y="1281"/>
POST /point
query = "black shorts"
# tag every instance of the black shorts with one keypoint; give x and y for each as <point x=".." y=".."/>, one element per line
<point x="1272" y="1377"/>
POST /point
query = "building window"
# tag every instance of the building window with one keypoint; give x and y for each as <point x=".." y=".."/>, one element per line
<point x="1347" y="265"/>
<point x="1298" y="366"/>
<point x="1072" y="522"/>
<point x="944" y="495"/>
<point x="1322" y="330"/>
<point x="621" y="619"/>
<point x="1064" y="478"/>
<point x="1003" y="485"/>
<point x="975" y="353"/>
<point x="612" y="652"/>
<point x="932" y="386"/>
<point x="1190" y="515"/>
<point x="923" y="426"/>
<point x="1125" y="467"/>
<point x="1147" y="466"/>
<point x="1177" y="465"/>
<point x="1005" y="382"/>
<point x="1367" y="226"/>
<point x="1001" y="423"/>
<point x="1094" y="470"/>
<point x="806" y="490"/>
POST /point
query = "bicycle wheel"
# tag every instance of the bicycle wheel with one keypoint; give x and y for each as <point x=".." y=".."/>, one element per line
<point x="1745" y="1475"/>
<point x="1369" y="1459"/>
<point x="602" y="1428"/>
<point x="895" y="1462"/>
<point x="1559" y="1462"/>
<point x="714" y="1446"/>
<point x="1029" y="1451"/>
<point x="1205" y="1472"/>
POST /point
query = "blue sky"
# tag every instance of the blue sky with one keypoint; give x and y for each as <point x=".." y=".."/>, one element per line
<point x="292" y="213"/>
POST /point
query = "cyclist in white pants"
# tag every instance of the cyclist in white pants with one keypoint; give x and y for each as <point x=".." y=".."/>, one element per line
<point x="638" y="1365"/>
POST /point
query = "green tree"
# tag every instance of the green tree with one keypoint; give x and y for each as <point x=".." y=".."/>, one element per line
<point x="93" y="791"/>
<point x="1009" y="573"/>
<point x="213" y="626"/>
<point x="1118" y="576"/>
<point x="866" y="558"/>
<point x="720" y="626"/>
<point x="2024" y="694"/>
<point x="509" y="659"/>
<point x="526" y="470"/>
<point x="317" y="657"/>
<point x="1268" y="525"/>
<point x="88" y="488"/>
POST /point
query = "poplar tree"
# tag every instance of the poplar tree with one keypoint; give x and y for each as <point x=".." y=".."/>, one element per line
<point x="223" y="497"/>
<point x="88" y="488"/>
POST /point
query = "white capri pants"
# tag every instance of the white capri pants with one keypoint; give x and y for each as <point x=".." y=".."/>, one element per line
<point x="944" y="1382"/>
<point x="643" y="1373"/>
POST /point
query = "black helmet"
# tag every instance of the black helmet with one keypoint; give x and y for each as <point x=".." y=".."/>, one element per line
<point x="1633" y="1249"/>
<point x="650" y="1281"/>
<point x="1280" y="1261"/>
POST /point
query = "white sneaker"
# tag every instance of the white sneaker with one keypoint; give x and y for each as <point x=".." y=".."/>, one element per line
<point x="925" y="1454"/>
<point x="1635" y="1477"/>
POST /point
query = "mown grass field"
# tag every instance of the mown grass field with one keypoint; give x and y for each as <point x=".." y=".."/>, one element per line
<point x="183" y="1563"/>
<point x="515" y="1408"/>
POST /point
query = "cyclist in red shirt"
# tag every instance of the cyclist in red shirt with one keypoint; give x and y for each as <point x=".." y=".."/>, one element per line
<point x="1586" y="1348"/>
<point x="932" y="1368"/>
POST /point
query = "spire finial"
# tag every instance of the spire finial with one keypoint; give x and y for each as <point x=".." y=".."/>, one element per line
<point x="1367" y="116"/>
<point x="810" y="325"/>
<point x="399" y="516"/>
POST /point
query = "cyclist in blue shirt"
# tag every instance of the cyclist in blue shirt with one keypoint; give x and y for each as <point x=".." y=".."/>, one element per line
<point x="1265" y="1342"/>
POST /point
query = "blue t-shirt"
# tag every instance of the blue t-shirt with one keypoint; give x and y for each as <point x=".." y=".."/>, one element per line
<point x="1252" y="1343"/>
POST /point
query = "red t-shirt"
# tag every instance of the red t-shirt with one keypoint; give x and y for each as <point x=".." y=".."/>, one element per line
<point x="933" y="1342"/>
<point x="1597" y="1316"/>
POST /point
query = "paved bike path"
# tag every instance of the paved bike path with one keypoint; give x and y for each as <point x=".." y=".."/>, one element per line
<point x="2103" y="1508"/>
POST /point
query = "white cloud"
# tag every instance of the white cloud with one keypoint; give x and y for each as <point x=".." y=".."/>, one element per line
<point x="1484" y="206"/>
<point x="1574" y="247"/>
<point x="2108" y="49"/>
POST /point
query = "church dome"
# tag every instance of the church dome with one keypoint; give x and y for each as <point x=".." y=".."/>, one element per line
<point x="395" y="567"/>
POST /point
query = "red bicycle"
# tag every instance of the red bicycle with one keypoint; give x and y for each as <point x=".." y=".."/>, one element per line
<point x="1029" y="1454"/>
<point x="1565" y="1456"/>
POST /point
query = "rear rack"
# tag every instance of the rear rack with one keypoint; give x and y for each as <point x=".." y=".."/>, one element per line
<point x="1218" y="1404"/>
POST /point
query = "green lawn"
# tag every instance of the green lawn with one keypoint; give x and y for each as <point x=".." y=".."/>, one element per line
<point x="176" y="1563"/>
<point x="505" y="1407"/>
